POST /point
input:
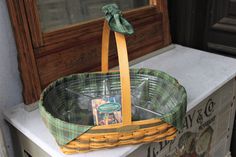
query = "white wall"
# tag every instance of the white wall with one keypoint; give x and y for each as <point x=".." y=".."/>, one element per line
<point x="10" y="84"/>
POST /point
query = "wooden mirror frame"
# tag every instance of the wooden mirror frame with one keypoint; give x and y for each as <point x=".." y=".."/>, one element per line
<point x="44" y="57"/>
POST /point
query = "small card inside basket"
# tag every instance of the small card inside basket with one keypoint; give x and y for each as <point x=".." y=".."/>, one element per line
<point x="106" y="110"/>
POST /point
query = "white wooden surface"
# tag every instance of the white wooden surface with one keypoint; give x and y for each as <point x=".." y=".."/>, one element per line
<point x="201" y="73"/>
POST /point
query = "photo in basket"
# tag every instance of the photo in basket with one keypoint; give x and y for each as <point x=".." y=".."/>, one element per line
<point x="106" y="111"/>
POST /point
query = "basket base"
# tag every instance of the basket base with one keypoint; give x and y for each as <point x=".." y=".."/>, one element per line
<point x="93" y="140"/>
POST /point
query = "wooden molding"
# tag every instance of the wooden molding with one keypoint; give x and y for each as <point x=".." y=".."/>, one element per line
<point x="34" y="22"/>
<point x="221" y="27"/>
<point x="27" y="63"/>
<point x="162" y="6"/>
<point x="223" y="48"/>
<point x="226" y="24"/>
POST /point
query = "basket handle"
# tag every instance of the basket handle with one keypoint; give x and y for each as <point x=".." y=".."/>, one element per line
<point x="124" y="69"/>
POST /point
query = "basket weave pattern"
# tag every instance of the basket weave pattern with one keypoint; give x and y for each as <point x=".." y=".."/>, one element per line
<point x="97" y="137"/>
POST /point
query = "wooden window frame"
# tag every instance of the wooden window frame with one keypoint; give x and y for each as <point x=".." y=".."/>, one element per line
<point x="32" y="43"/>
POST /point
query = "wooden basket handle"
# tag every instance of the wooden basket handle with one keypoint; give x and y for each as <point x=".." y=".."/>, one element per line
<point x="124" y="69"/>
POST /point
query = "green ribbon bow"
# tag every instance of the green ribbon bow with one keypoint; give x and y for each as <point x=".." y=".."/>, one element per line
<point x="115" y="20"/>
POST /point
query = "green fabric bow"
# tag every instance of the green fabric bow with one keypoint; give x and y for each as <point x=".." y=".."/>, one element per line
<point x="115" y="20"/>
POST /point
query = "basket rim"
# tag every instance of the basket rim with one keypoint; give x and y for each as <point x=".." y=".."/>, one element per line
<point x="48" y="118"/>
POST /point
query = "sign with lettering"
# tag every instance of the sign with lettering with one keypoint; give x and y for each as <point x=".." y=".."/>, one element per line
<point x="196" y="137"/>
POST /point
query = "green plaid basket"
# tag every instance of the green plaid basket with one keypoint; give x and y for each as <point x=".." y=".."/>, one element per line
<point x="153" y="104"/>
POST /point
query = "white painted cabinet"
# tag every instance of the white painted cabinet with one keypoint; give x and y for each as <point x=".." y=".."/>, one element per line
<point x="210" y="83"/>
<point x="24" y="147"/>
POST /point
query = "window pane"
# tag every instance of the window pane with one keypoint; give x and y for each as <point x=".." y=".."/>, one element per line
<point x="56" y="14"/>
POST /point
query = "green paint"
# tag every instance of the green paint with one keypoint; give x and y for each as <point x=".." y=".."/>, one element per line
<point x="109" y="107"/>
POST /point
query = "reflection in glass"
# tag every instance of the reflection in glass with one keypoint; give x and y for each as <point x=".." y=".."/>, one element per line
<point x="55" y="14"/>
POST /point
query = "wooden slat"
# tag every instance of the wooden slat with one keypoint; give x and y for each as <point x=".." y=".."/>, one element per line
<point x="82" y="29"/>
<point x="34" y="23"/>
<point x="220" y="34"/>
<point x="27" y="63"/>
<point x="83" y="56"/>
<point x="162" y="6"/>
<point x="94" y="32"/>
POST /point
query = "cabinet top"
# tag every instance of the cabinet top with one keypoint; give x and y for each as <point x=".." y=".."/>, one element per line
<point x="201" y="73"/>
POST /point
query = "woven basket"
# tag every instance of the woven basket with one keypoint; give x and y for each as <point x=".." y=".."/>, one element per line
<point x="77" y="133"/>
